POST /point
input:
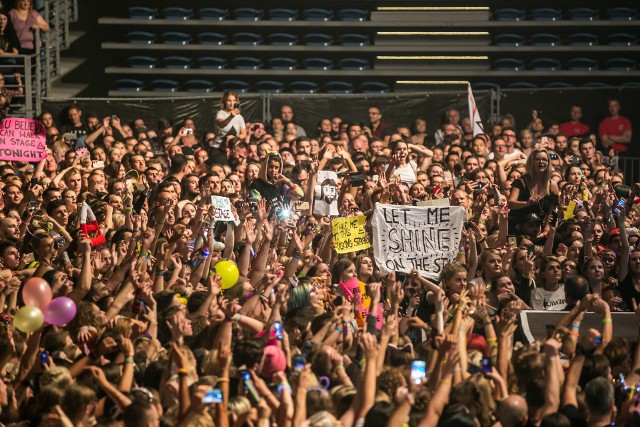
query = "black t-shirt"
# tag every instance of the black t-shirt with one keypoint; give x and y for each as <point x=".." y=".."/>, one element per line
<point x="571" y="411"/>
<point x="517" y="216"/>
<point x="627" y="291"/>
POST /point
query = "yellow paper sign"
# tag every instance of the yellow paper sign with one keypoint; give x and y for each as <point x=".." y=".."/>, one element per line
<point x="349" y="234"/>
<point x="568" y="214"/>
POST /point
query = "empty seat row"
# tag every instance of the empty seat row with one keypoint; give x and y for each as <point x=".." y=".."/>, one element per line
<point x="247" y="63"/>
<point x="248" y="39"/>
<point x="248" y="14"/>
<point x="264" y="86"/>
<point x="550" y="85"/>
<point x="574" y="64"/>
<point x="575" y="14"/>
<point x="576" y="39"/>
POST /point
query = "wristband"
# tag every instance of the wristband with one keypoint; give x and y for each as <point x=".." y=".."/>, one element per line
<point x="575" y="326"/>
<point x="145" y="255"/>
<point x="284" y="386"/>
<point x="129" y="360"/>
<point x="338" y="330"/>
<point x="296" y="256"/>
<point x="606" y="320"/>
<point x="238" y="318"/>
<point x="182" y="372"/>
<point x="222" y="380"/>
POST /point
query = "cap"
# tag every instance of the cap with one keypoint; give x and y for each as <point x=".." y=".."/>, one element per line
<point x="632" y="231"/>
<point x="614" y="232"/>
<point x="274" y="361"/>
<point x="532" y="217"/>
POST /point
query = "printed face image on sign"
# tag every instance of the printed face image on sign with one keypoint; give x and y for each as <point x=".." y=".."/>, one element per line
<point x="326" y="201"/>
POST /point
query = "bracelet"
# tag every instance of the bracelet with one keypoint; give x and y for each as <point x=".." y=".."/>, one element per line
<point x="160" y="273"/>
<point x="574" y="326"/>
<point x="284" y="386"/>
<point x="128" y="209"/>
<point x="492" y="340"/>
<point x="222" y="380"/>
<point x="296" y="256"/>
<point x="129" y="359"/>
<point x="144" y="255"/>
<point x="182" y="372"/>
<point x="606" y="320"/>
<point x="338" y="330"/>
<point x="238" y="317"/>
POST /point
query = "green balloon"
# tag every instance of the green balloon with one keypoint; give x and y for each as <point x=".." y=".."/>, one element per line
<point x="28" y="319"/>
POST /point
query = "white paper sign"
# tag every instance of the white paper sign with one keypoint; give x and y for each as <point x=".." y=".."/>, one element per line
<point x="422" y="237"/>
<point x="222" y="209"/>
<point x="326" y="201"/>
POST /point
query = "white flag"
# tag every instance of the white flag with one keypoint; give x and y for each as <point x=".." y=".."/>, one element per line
<point x="474" y="114"/>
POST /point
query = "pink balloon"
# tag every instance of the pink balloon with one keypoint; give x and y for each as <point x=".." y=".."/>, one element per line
<point x="60" y="311"/>
<point x="36" y="293"/>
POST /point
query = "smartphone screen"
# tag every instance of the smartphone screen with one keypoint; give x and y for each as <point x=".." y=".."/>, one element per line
<point x="277" y="329"/>
<point x="245" y="375"/>
<point x="298" y="362"/>
<point x="513" y="241"/>
<point x="214" y="395"/>
<point x="486" y="364"/>
<point x="418" y="371"/>
<point x="619" y="206"/>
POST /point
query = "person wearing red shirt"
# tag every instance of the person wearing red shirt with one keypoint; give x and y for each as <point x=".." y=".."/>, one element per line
<point x="574" y="127"/>
<point x="615" y="130"/>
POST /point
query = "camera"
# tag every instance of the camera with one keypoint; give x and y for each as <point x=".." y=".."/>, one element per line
<point x="236" y="106"/>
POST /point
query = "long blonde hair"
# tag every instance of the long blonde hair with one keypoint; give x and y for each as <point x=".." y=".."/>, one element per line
<point x="531" y="169"/>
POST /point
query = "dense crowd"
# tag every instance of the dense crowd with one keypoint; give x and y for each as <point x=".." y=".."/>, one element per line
<point x="118" y="223"/>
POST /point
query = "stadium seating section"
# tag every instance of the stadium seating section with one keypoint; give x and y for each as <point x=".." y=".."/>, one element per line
<point x="344" y="47"/>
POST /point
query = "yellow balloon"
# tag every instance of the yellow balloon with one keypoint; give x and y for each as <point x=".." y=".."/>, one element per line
<point x="28" y="319"/>
<point x="228" y="272"/>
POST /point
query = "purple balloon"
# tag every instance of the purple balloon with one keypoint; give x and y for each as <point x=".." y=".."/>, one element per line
<point x="60" y="311"/>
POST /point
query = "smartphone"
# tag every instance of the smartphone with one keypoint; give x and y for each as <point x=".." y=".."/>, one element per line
<point x="447" y="176"/>
<point x="245" y="375"/>
<point x="513" y="241"/>
<point x="479" y="186"/>
<point x="375" y="178"/>
<point x="97" y="164"/>
<point x="298" y="362"/>
<point x="619" y="206"/>
<point x="418" y="371"/>
<point x="188" y="131"/>
<point x="114" y="117"/>
<point x="214" y="395"/>
<point x="437" y="189"/>
<point x="236" y="105"/>
<point x="44" y="358"/>
<point x="277" y="329"/>
<point x="248" y="386"/>
<point x="553" y="156"/>
<point x="486" y="365"/>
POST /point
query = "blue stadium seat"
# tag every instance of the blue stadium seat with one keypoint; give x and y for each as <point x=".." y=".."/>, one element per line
<point x="141" y="37"/>
<point x="337" y="87"/>
<point x="545" y="64"/>
<point x="303" y="87"/>
<point x="281" y="14"/>
<point x="317" y="14"/>
<point x="177" y="13"/>
<point x="508" y="64"/>
<point x="358" y="15"/>
<point x="545" y="39"/>
<point x="140" y="61"/>
<point x="582" y="64"/>
<point x="546" y="14"/>
<point x="373" y="87"/>
<point x="354" y="64"/>
<point x="521" y="85"/>
<point x="509" y="14"/>
<point x="620" y="64"/>
<point x="163" y="85"/>
<point x="212" y="14"/>
<point x="485" y="86"/>
<point x="248" y="14"/>
<point x="353" y="39"/>
<point x="268" y="86"/>
<point x="596" y="85"/>
<point x="317" y="64"/>
<point x="622" y="39"/>
<point x="246" y="63"/>
<point x="558" y="85"/>
<point x="173" y="37"/>
<point x="211" y="39"/>
<point x="235" y="85"/>
<point x="584" y="14"/>
<point x="279" y="63"/>
<point x="316" y="39"/>
<point x="199" y="86"/>
<point x="130" y="85"/>
<point x="508" y="40"/>
<point x="211" y="63"/>
<point x="282" y="39"/>
<point x="141" y="12"/>
<point x="622" y="14"/>
<point x="177" y="62"/>
<point x="247" y="39"/>
<point x="583" y="39"/>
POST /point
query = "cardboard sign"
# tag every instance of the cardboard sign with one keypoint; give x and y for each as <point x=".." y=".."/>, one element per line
<point x="326" y="200"/>
<point x="22" y="140"/>
<point x="422" y="237"/>
<point x="356" y="291"/>
<point x="222" y="209"/>
<point x="435" y="202"/>
<point x="349" y="234"/>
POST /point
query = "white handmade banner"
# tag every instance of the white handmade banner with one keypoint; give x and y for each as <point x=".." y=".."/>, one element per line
<point x="422" y="237"/>
<point x="222" y="208"/>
